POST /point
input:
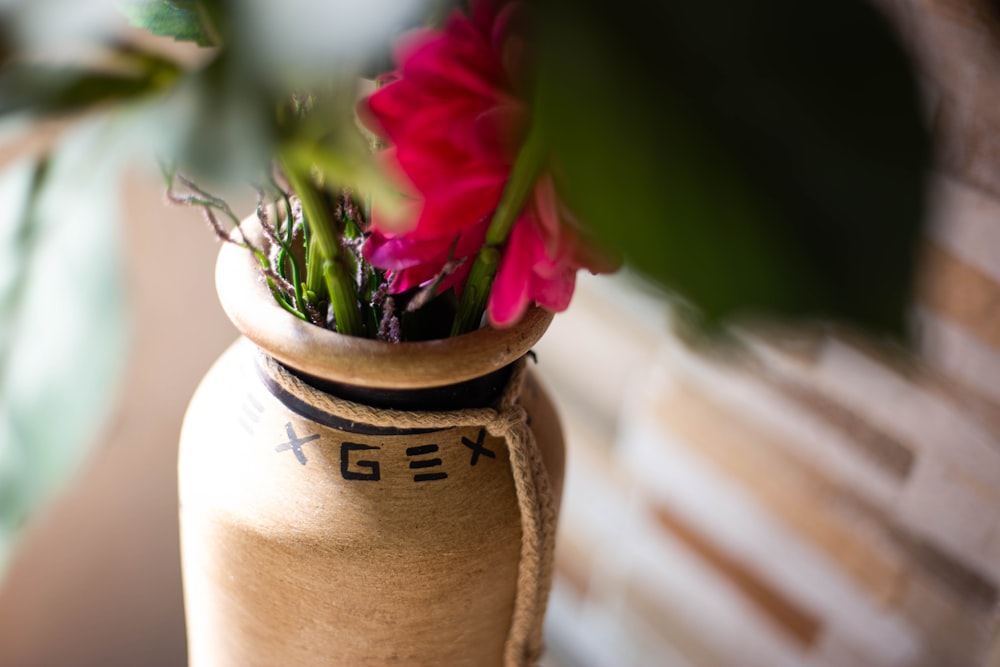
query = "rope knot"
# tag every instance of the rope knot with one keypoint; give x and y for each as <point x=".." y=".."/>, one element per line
<point x="507" y="421"/>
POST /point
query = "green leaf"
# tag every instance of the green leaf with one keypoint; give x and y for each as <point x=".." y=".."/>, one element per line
<point x="62" y="319"/>
<point x="345" y="162"/>
<point x="20" y="185"/>
<point x="183" y="20"/>
<point x="217" y="124"/>
<point x="753" y="157"/>
<point x="46" y="89"/>
<point x="6" y="38"/>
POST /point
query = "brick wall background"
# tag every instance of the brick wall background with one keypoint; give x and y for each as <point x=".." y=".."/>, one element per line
<point x="813" y="498"/>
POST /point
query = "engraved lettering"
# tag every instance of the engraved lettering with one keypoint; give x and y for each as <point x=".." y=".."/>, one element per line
<point x="430" y="476"/>
<point x="249" y="415"/>
<point x="373" y="473"/>
<point x="478" y="448"/>
<point x="420" y="464"/>
<point x="295" y="443"/>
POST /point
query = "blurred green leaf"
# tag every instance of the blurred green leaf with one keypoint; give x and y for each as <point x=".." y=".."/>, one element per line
<point x="21" y="242"/>
<point x="314" y="39"/>
<point x="183" y="20"/>
<point x="753" y="157"/>
<point x="328" y="138"/>
<point x="21" y="186"/>
<point x="6" y="38"/>
<point x="62" y="318"/>
<point x="47" y="89"/>
<point x="217" y="124"/>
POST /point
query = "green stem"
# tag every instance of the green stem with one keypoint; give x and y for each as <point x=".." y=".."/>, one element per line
<point x="315" y="285"/>
<point x="286" y="255"/>
<point x="279" y="297"/>
<point x="523" y="176"/>
<point x="326" y="274"/>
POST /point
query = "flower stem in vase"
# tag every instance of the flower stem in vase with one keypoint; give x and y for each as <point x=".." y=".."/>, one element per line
<point x="529" y="164"/>
<point x="327" y="276"/>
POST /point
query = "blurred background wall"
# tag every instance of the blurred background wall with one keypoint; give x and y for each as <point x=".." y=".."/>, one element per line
<point x="812" y="498"/>
<point x="96" y="578"/>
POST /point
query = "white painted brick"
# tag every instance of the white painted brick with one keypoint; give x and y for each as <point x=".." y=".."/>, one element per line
<point x="735" y="521"/>
<point x="602" y="636"/>
<point x="592" y="505"/>
<point x="709" y="606"/>
<point x="956" y="352"/>
<point x="609" y="332"/>
<point x="920" y="419"/>
<point x="966" y="221"/>
<point x="954" y="508"/>
<point x="810" y="438"/>
<point x="836" y="650"/>
<point x="953" y="492"/>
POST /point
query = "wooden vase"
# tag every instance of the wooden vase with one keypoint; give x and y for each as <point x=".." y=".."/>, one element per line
<point x="313" y="538"/>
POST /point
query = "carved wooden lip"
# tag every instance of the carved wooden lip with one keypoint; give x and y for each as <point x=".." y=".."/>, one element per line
<point x="304" y="347"/>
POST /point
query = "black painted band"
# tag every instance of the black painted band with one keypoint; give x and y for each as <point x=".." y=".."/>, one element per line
<point x="476" y="393"/>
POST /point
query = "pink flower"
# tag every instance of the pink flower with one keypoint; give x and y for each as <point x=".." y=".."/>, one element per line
<point x="455" y="122"/>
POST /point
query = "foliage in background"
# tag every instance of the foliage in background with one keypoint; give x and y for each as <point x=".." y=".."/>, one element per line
<point x="61" y="350"/>
<point x="762" y="158"/>
<point x="753" y="158"/>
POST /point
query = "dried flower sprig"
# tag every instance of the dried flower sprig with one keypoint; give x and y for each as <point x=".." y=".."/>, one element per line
<point x="296" y="250"/>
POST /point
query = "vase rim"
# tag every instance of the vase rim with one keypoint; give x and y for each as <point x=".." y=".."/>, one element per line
<point x="311" y="349"/>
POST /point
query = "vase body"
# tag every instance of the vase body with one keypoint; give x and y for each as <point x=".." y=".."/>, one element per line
<point x="308" y="538"/>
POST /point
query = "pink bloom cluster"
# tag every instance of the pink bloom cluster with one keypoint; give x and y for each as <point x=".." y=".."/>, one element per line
<point x="454" y="123"/>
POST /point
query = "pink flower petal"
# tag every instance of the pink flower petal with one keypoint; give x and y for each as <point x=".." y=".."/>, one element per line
<point x="554" y="292"/>
<point x="455" y="118"/>
<point x="512" y="288"/>
<point x="547" y="214"/>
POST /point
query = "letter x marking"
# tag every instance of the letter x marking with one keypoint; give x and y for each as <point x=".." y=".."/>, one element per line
<point x="295" y="443"/>
<point x="477" y="447"/>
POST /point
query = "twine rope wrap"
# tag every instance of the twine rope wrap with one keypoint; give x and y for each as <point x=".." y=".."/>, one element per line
<point x="508" y="420"/>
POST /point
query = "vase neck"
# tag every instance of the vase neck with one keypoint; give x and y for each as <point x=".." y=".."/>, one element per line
<point x="479" y="392"/>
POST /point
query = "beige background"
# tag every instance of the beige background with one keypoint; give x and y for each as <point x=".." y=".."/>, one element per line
<point x="97" y="578"/>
